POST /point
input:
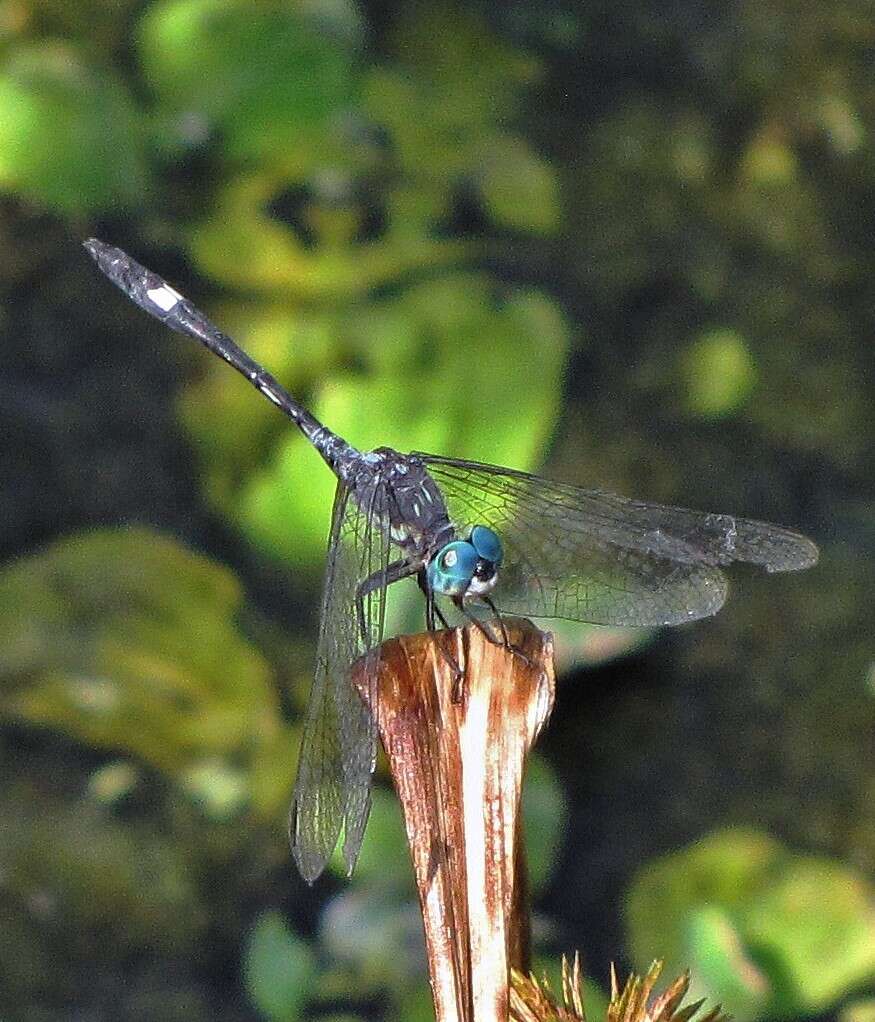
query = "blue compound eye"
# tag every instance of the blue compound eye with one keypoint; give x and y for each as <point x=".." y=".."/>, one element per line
<point x="486" y="543"/>
<point x="451" y="569"/>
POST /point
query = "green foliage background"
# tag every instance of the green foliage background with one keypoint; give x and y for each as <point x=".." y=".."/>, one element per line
<point x="628" y="245"/>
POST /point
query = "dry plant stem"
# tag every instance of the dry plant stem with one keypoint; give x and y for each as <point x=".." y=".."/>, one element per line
<point x="533" y="1001"/>
<point x="457" y="765"/>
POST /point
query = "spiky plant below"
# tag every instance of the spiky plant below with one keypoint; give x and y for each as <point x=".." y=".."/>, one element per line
<point x="533" y="1001"/>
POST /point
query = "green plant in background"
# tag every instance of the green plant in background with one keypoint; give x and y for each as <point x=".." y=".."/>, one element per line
<point x="333" y="178"/>
<point x="718" y="373"/>
<point x="71" y="137"/>
<point x="279" y="969"/>
<point x="127" y="642"/>
<point x="436" y="364"/>
<point x="83" y="891"/>
<point x="768" y="933"/>
<point x="314" y="142"/>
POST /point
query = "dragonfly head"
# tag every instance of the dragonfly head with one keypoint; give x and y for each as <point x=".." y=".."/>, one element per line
<point x="466" y="567"/>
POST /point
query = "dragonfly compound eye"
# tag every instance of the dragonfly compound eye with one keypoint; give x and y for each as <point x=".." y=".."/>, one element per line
<point x="451" y="569"/>
<point x="486" y="543"/>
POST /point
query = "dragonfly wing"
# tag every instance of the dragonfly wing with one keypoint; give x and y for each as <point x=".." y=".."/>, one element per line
<point x="591" y="556"/>
<point x="338" y="750"/>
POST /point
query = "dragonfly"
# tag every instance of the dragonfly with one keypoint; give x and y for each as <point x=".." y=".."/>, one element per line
<point x="489" y="540"/>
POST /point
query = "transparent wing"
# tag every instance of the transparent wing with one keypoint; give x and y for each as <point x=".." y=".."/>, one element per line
<point x="591" y="556"/>
<point x="332" y="790"/>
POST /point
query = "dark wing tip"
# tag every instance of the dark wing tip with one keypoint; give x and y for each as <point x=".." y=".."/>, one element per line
<point x="774" y="548"/>
<point x="796" y="553"/>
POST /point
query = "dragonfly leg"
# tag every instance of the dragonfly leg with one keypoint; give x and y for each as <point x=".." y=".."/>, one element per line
<point x="393" y="572"/>
<point x="490" y="635"/>
<point x="431" y="607"/>
<point x="432" y="612"/>
<point x="439" y="612"/>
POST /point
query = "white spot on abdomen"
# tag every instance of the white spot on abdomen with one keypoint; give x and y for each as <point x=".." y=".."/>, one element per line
<point x="270" y="395"/>
<point x="164" y="297"/>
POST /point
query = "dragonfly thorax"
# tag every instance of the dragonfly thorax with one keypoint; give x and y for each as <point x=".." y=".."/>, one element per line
<point x="397" y="488"/>
<point x="466" y="567"/>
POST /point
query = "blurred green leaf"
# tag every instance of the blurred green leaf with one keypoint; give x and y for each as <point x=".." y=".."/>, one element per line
<point x="341" y="1018"/>
<point x="767" y="933"/>
<point x="595" y="1000"/>
<point x="112" y="782"/>
<point x="272" y="773"/>
<point x="298" y="221"/>
<point x="70" y="136"/>
<point x="452" y="79"/>
<point x="265" y="74"/>
<point x="720" y="872"/>
<point x="384" y="860"/>
<point x="768" y="161"/>
<point x="520" y="190"/>
<point x="298" y="347"/>
<point x="218" y="788"/>
<point x="816" y="921"/>
<point x="462" y="371"/>
<point x="840" y="117"/>
<point x="417" y="1005"/>
<point x="375" y="936"/>
<point x="858" y="1011"/>
<point x="544" y="819"/>
<point x="717" y="957"/>
<point x="242" y="244"/>
<point x="98" y="878"/>
<point x="719" y="373"/>
<point x="127" y="641"/>
<point x="279" y="969"/>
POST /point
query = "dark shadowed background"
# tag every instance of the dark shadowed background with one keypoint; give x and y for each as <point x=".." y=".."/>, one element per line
<point x="629" y="246"/>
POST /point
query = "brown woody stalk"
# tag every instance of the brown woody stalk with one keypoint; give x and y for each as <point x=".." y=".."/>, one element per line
<point x="456" y="750"/>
